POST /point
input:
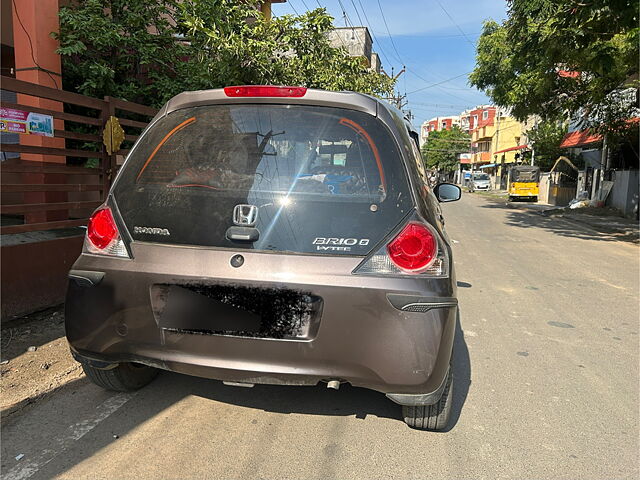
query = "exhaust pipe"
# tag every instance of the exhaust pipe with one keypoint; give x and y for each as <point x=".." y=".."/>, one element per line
<point x="238" y="384"/>
<point x="335" y="384"/>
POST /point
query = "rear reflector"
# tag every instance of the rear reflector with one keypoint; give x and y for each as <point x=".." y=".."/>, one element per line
<point x="264" y="91"/>
<point x="102" y="235"/>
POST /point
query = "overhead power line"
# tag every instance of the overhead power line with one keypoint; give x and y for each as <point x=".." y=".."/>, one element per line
<point x="294" y="8"/>
<point x="357" y="13"/>
<point x="454" y="22"/>
<point x="413" y="72"/>
<point x="453" y="35"/>
<point x="305" y="5"/>
<point x="439" y="83"/>
<point x="440" y="105"/>
<point x="382" y="52"/>
<point x="347" y="20"/>
<point x="339" y="37"/>
<point x="389" y="33"/>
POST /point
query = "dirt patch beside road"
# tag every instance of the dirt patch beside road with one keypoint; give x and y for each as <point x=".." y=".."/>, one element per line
<point x="35" y="360"/>
<point x="606" y="221"/>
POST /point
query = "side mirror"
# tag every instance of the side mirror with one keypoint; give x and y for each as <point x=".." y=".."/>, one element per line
<point x="447" y="192"/>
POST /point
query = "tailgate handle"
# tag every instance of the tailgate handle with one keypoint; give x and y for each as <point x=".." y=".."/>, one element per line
<point x="243" y="234"/>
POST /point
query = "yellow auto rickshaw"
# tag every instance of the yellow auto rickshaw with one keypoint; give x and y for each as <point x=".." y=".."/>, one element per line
<point x="523" y="182"/>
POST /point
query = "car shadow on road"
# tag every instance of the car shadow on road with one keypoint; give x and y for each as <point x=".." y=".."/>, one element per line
<point x="522" y="217"/>
<point x="461" y="368"/>
<point x="169" y="389"/>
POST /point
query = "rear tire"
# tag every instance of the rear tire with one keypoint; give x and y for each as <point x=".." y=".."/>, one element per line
<point x="126" y="377"/>
<point x="431" y="417"/>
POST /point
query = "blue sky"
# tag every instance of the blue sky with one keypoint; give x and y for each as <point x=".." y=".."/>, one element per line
<point x="428" y="39"/>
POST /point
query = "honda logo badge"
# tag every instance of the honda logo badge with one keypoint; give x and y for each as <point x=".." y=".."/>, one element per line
<point x="245" y="215"/>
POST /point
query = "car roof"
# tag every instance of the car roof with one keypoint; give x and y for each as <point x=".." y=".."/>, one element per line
<point x="350" y="100"/>
<point x="343" y="99"/>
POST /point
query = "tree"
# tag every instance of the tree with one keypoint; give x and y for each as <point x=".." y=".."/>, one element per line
<point x="441" y="150"/>
<point x="150" y="50"/>
<point x="122" y="48"/>
<point x="561" y="59"/>
<point x="545" y="138"/>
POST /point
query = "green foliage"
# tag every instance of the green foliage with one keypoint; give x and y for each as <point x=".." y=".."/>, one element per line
<point x="545" y="138"/>
<point x="149" y="50"/>
<point x="518" y="62"/>
<point x="440" y="152"/>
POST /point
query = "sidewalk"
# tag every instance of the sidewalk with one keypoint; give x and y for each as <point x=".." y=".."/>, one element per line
<point x="605" y="220"/>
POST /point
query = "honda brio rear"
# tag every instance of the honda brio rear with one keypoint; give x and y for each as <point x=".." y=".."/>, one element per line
<point x="271" y="235"/>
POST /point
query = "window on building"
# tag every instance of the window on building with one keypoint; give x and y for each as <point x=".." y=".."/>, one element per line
<point x="475" y="121"/>
<point x="484" y="146"/>
<point x="485" y="114"/>
<point x="444" y="125"/>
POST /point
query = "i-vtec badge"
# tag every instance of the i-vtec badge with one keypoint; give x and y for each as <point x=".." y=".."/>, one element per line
<point x="338" y="244"/>
<point x="151" y="231"/>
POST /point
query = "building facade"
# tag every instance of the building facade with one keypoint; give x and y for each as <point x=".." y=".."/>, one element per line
<point x="437" y="124"/>
<point x="358" y="43"/>
<point x="482" y="127"/>
<point x="497" y="140"/>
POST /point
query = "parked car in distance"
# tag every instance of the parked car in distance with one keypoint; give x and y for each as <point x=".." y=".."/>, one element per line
<point x="481" y="181"/>
<point x="272" y="235"/>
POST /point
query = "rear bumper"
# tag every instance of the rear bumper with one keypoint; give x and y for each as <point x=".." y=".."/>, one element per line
<point x="364" y="337"/>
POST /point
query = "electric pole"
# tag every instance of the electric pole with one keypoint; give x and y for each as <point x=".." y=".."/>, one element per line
<point x="396" y="99"/>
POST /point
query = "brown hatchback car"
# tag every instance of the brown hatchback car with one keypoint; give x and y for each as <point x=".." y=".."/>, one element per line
<point x="276" y="235"/>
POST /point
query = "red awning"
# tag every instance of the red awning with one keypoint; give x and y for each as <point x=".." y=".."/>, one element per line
<point x="510" y="149"/>
<point x="579" y="138"/>
<point x="465" y="161"/>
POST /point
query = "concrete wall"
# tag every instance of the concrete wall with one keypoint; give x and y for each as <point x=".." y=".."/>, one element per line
<point x="561" y="196"/>
<point x="624" y="194"/>
<point x="356" y="40"/>
<point x="34" y="274"/>
<point x="543" y="188"/>
<point x="376" y="64"/>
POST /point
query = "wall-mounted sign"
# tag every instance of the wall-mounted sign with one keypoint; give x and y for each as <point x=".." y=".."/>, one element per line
<point x="19" y="121"/>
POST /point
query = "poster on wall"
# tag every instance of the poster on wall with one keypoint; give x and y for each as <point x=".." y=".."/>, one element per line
<point x="19" y="121"/>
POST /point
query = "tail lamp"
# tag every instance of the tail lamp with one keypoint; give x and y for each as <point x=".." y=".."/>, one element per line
<point x="416" y="250"/>
<point x="103" y="237"/>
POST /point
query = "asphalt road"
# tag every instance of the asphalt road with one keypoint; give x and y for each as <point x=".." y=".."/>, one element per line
<point x="546" y="386"/>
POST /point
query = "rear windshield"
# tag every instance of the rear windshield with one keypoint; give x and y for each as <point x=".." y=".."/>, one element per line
<point x="308" y="179"/>
<point x="528" y="175"/>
